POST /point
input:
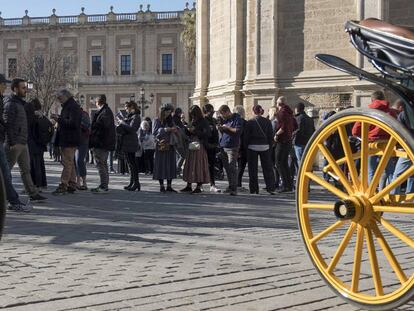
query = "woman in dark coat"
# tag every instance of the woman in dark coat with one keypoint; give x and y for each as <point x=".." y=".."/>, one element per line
<point x="127" y="129"/>
<point x="165" y="167"/>
<point x="196" y="162"/>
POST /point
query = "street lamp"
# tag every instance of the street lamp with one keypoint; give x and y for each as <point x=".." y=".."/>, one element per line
<point x="143" y="102"/>
<point x="82" y="99"/>
<point x="132" y="98"/>
<point x="29" y="85"/>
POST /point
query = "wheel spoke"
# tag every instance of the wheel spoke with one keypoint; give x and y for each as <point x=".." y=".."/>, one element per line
<point x="327" y="231"/>
<point x="389" y="254"/>
<point x="364" y="156"/>
<point x="328" y="207"/>
<point x="348" y="154"/>
<point x="397" y="232"/>
<point x="338" y="171"/>
<point x="404" y="208"/>
<point x="374" y="263"/>
<point x="342" y="247"/>
<point x="357" y="259"/>
<point x="340" y="194"/>
<point x="395" y="183"/>
<point x="399" y="198"/>
<point x="382" y="165"/>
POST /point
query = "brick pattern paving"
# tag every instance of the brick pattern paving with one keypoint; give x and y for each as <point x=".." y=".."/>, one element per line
<point x="152" y="251"/>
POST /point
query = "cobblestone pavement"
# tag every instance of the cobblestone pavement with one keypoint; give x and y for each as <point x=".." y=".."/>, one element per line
<point x="152" y="251"/>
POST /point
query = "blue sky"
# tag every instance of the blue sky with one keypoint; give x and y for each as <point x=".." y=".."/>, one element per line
<point x="72" y="7"/>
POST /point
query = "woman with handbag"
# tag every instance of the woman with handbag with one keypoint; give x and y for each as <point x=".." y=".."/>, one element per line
<point x="258" y="141"/>
<point x="165" y="167"/>
<point x="196" y="168"/>
<point x="127" y="128"/>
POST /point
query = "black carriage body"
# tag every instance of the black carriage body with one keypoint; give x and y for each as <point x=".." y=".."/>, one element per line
<point x="392" y="55"/>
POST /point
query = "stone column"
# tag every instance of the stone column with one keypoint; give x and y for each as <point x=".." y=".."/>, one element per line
<point x="202" y="58"/>
<point x="111" y="55"/>
<point x="83" y="54"/>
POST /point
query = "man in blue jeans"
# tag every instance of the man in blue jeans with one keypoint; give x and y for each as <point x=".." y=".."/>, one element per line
<point x="12" y="196"/>
<point x="230" y="129"/>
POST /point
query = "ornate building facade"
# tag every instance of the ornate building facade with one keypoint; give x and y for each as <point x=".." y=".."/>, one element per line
<point x="252" y="51"/>
<point x="112" y="54"/>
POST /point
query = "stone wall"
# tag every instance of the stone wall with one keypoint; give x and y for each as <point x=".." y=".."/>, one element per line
<point x="281" y="38"/>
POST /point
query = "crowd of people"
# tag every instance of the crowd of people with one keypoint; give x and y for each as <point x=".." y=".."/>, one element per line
<point x="198" y="151"/>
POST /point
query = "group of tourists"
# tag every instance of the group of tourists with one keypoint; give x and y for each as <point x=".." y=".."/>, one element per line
<point x="395" y="167"/>
<point x="167" y="147"/>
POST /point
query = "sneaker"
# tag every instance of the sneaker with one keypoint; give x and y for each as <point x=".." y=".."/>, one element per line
<point x="20" y="207"/>
<point x="214" y="189"/>
<point x="99" y="190"/>
<point x="37" y="198"/>
<point x="60" y="190"/>
<point x="241" y="189"/>
<point x="196" y="190"/>
<point x="186" y="189"/>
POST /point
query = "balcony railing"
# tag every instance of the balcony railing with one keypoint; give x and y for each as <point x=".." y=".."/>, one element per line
<point x="111" y="17"/>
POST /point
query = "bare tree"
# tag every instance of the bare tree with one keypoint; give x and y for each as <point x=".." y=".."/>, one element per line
<point x="188" y="35"/>
<point x="48" y="72"/>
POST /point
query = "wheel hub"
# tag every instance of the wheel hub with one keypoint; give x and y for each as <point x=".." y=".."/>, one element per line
<point x="357" y="209"/>
<point x="345" y="210"/>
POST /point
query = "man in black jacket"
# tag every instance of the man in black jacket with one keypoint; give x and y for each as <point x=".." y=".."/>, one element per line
<point x="11" y="194"/>
<point x="68" y="139"/>
<point x="16" y="125"/>
<point x="304" y="131"/>
<point x="102" y="140"/>
<point x="212" y="145"/>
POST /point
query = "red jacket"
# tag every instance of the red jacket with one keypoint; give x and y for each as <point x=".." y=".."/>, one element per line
<point x="287" y="122"/>
<point x="375" y="133"/>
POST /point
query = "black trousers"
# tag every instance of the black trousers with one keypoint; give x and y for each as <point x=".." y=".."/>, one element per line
<point x="149" y="161"/>
<point x="241" y="163"/>
<point x="267" y="168"/>
<point x="38" y="170"/>
<point x="282" y="163"/>
<point x="133" y="167"/>
<point x="211" y="155"/>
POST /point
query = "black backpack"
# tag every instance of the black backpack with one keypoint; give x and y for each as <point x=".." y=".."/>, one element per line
<point x="43" y="131"/>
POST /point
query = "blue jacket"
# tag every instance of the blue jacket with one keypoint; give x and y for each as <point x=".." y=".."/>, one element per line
<point x="232" y="140"/>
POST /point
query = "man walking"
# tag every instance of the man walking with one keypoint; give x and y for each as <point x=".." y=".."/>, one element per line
<point x="68" y="139"/>
<point x="102" y="140"/>
<point x="230" y="142"/>
<point x="11" y="194"/>
<point x="16" y="125"/>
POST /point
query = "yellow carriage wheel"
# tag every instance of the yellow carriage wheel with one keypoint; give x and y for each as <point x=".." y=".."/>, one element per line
<point x="358" y="230"/>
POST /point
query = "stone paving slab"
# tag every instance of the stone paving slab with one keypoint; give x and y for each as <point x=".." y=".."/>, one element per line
<point x="152" y="251"/>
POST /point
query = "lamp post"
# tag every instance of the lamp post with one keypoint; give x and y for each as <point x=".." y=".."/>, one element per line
<point x="143" y="102"/>
<point x="82" y="100"/>
<point x="132" y="98"/>
<point x="29" y="85"/>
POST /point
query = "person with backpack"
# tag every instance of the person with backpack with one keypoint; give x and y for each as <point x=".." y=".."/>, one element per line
<point x="40" y="134"/>
<point x="81" y="151"/>
<point x="102" y="140"/>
